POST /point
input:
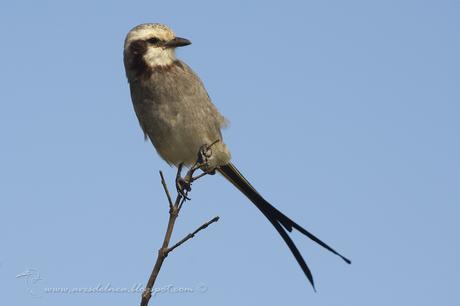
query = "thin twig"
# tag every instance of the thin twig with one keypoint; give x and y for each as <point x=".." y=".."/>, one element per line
<point x="198" y="176"/>
<point x="213" y="143"/>
<point x="174" y="209"/>
<point x="147" y="294"/>
<point x="182" y="201"/>
<point x="191" y="235"/>
<point x="165" y="187"/>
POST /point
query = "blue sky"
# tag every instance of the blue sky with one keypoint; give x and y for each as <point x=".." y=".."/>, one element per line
<point x="344" y="114"/>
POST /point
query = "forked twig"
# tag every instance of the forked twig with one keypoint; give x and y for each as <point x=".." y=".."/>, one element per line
<point x="174" y="209"/>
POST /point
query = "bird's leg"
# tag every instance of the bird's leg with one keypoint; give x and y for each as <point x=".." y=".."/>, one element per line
<point x="182" y="186"/>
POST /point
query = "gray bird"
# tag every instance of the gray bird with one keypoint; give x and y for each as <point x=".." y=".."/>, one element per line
<point x="177" y="115"/>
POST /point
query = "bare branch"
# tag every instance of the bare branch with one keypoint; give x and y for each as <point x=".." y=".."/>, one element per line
<point x="198" y="176"/>
<point x="165" y="187"/>
<point x="147" y="294"/>
<point x="191" y="235"/>
<point x="183" y="189"/>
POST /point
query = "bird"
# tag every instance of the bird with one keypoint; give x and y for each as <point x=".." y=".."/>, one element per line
<point x="175" y="112"/>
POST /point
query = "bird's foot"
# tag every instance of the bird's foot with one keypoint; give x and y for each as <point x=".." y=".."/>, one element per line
<point x="183" y="186"/>
<point x="204" y="154"/>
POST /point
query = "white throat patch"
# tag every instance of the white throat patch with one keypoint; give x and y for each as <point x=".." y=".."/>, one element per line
<point x="157" y="56"/>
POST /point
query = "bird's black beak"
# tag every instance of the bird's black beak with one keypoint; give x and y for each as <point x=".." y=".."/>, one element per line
<point x="177" y="42"/>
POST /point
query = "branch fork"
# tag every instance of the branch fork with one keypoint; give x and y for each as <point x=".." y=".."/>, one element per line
<point x="183" y="186"/>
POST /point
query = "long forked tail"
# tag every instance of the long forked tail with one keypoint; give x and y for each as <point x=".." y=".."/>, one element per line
<point x="280" y="221"/>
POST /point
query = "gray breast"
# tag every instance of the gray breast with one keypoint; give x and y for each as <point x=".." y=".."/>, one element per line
<point x="175" y="112"/>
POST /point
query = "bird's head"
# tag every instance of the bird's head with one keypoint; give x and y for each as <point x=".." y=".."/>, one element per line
<point x="151" y="45"/>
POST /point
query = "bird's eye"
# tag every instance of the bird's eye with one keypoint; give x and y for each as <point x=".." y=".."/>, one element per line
<point x="153" y="40"/>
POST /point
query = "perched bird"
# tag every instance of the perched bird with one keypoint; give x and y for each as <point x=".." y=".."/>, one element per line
<point x="177" y="115"/>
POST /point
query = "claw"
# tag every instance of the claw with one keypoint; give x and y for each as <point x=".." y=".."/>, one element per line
<point x="204" y="153"/>
<point x="182" y="186"/>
